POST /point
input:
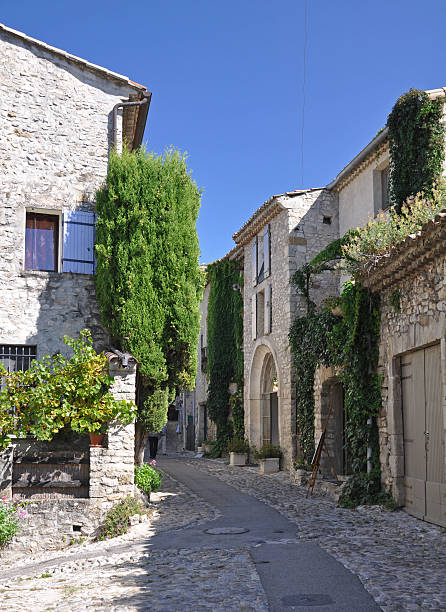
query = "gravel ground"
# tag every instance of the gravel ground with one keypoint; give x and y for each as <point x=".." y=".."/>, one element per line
<point x="400" y="560"/>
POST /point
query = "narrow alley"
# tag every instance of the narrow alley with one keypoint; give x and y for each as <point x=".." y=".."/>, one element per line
<point x="225" y="538"/>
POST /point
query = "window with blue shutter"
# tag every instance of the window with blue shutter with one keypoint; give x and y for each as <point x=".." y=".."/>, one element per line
<point x="78" y="242"/>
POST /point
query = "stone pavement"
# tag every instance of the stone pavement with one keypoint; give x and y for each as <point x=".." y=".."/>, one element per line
<point x="123" y="574"/>
<point x="400" y="561"/>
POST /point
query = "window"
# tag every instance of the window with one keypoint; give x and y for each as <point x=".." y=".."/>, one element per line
<point x="260" y="314"/>
<point x="42" y="250"/>
<point x="385" y="188"/>
<point x="261" y="256"/>
<point x="41" y="242"/>
<point x="17" y="357"/>
<point x="381" y="189"/>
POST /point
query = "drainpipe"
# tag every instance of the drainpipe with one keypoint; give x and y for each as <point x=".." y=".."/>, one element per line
<point x="369" y="449"/>
<point x="145" y="100"/>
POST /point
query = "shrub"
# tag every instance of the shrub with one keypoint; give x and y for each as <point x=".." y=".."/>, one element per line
<point x="268" y="451"/>
<point x="117" y="520"/>
<point x="9" y="524"/>
<point x="365" y="489"/>
<point x="238" y="445"/>
<point x="147" y="478"/>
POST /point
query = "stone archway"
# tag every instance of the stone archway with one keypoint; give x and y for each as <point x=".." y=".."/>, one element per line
<point x="264" y="403"/>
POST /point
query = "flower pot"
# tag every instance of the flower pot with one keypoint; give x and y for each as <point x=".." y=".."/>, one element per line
<point x="96" y="439"/>
<point x="207" y="448"/>
<point x="269" y="466"/>
<point x="237" y="458"/>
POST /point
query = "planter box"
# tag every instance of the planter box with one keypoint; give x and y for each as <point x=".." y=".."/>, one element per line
<point x="269" y="466"/>
<point x="237" y="458"/>
<point x="299" y="477"/>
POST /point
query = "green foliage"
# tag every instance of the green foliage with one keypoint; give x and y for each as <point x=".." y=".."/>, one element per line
<point x="238" y="445"/>
<point x="349" y="342"/>
<point x="416" y="141"/>
<point x="381" y="234"/>
<point x="148" y="478"/>
<point x="224" y="350"/>
<point x="58" y="392"/>
<point x="148" y="281"/>
<point x="395" y="300"/>
<point x="155" y="409"/>
<point x="268" y="451"/>
<point x="117" y="520"/>
<point x="327" y="260"/>
<point x="365" y="489"/>
<point x="9" y="524"/>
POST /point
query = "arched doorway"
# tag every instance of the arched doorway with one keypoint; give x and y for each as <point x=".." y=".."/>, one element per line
<point x="270" y="404"/>
<point x="264" y="408"/>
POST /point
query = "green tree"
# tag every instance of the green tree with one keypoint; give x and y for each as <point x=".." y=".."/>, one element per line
<point x="148" y="280"/>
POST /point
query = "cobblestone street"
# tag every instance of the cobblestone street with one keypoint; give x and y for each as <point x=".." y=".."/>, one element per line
<point x="398" y="559"/>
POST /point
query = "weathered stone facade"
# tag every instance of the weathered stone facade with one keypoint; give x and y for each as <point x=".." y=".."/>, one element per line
<point x="53" y="520"/>
<point x="56" y="131"/>
<point x="55" y="135"/>
<point x="412" y="286"/>
<point x="301" y="224"/>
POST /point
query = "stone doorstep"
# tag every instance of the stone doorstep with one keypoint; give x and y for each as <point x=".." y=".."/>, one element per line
<point x="329" y="488"/>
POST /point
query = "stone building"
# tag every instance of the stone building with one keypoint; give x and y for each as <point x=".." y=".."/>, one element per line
<point x="56" y="129"/>
<point x="412" y="422"/>
<point x="60" y="116"/>
<point x="287" y="231"/>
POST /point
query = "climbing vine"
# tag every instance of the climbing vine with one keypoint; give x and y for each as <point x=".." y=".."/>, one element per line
<point x="343" y="332"/>
<point x="224" y="349"/>
<point x="416" y="142"/>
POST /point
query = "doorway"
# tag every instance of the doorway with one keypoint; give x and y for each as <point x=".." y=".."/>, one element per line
<point x="423" y="434"/>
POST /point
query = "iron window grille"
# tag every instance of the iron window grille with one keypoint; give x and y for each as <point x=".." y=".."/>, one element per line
<point x="17" y="357"/>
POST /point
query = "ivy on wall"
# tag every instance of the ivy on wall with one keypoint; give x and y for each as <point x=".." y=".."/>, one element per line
<point x="416" y="142"/>
<point x="349" y="341"/>
<point x="224" y="350"/>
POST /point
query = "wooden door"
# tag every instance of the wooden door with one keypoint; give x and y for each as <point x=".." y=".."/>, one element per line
<point x="274" y="419"/>
<point x="423" y="434"/>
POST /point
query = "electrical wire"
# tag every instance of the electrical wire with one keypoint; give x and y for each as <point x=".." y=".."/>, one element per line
<point x="304" y="93"/>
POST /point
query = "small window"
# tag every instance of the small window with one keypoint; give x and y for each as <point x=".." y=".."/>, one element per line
<point x="15" y="357"/>
<point x="385" y="189"/>
<point x="326" y="220"/>
<point x="41" y="242"/>
<point x="260" y="314"/>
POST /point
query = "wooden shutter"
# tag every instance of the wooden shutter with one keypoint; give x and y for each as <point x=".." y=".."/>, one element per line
<point x="267" y="251"/>
<point x="254" y="316"/>
<point x="78" y="242"/>
<point x="254" y="262"/>
<point x="267" y="310"/>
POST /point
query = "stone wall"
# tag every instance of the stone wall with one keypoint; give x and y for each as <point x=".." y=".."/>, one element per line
<point x="305" y="224"/>
<point x="55" y="130"/>
<point x="202" y="423"/>
<point x="412" y="287"/>
<point x="421" y="322"/>
<point x="54" y="523"/>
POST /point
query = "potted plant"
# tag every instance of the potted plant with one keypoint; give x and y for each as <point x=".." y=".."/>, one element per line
<point x="238" y="450"/>
<point x="208" y="446"/>
<point x="268" y="457"/>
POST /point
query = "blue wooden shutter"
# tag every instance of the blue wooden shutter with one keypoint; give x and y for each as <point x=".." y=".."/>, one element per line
<point x="78" y="242"/>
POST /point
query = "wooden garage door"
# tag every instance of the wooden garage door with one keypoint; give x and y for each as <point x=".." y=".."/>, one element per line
<point x="423" y="435"/>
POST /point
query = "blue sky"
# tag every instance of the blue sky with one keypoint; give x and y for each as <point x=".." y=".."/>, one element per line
<point x="227" y="78"/>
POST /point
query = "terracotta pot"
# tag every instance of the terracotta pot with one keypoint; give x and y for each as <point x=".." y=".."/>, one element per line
<point x="96" y="439"/>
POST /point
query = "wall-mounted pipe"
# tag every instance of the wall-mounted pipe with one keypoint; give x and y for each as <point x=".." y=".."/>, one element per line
<point x="146" y="100"/>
